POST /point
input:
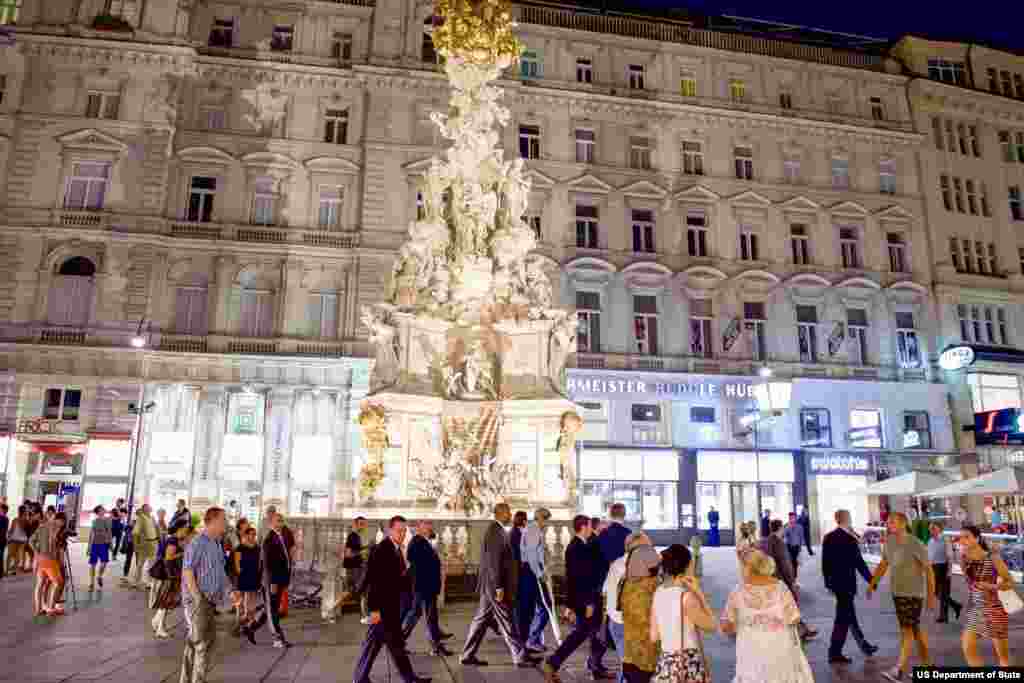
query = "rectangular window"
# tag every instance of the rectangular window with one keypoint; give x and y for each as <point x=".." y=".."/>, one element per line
<point x="947" y="72"/>
<point x="256" y="317"/>
<point x="421" y="209"/>
<point x="979" y="252"/>
<point x="635" y="74"/>
<point x="645" y="325"/>
<point x="696" y="234"/>
<point x="533" y="220"/>
<point x="1020" y="145"/>
<point x="961" y="134"/>
<point x="950" y="136"/>
<point x="3" y="86"/>
<point x="807" y="333"/>
<point x="937" y="132"/>
<point x="908" y="351"/>
<point x="530" y="64"/>
<point x="62" y="404"/>
<point x="749" y="247"/>
<point x="336" y="126"/>
<point x="1005" y="79"/>
<point x="983" y="196"/>
<point x="687" y="84"/>
<point x="264" y="202"/>
<point x="744" y="157"/>
<point x="968" y="254"/>
<point x="202" y="191"/>
<point x="584" y="71"/>
<point x="887" y="176"/>
<point x="222" y="34"/>
<point x="586" y="227"/>
<point x="833" y="103"/>
<point x="693" y="158"/>
<point x="865" y="429"/>
<point x="281" y="38"/>
<point x="877" y="109"/>
<point x="916" y="432"/>
<point x="947" y="196"/>
<point x="585" y="146"/>
<point x="700" y="328"/>
<point x="975" y="144"/>
<point x="529" y="142"/>
<point x="1006" y="146"/>
<point x="754" y="325"/>
<point x="642" y="412"/>
<point x="215" y="118"/>
<point x="791" y="170"/>
<point x="87" y="186"/>
<point x="190" y="314"/>
<point x="972" y="198"/>
<point x="958" y="194"/>
<point x="643" y="231"/>
<point x="849" y="247"/>
<point x="588" y="317"/>
<point x="341" y="47"/>
<point x="640" y="153"/>
<point x="799" y="242"/>
<point x="1004" y="337"/>
<point x="737" y="90"/>
<point x="102" y="105"/>
<point x="785" y="100"/>
<point x="1018" y="86"/>
<point x="815" y="428"/>
<point x="992" y="261"/>
<point x="1016" y="211"/>
<point x="857" y="331"/>
<point x="993" y="82"/>
<point x="330" y="207"/>
<point x="322" y="315"/>
<point x="702" y="415"/>
<point x="840" y="174"/>
<point x="1020" y="258"/>
<point x="897" y="252"/>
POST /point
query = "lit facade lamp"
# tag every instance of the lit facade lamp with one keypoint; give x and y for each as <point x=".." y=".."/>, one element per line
<point x="139" y="341"/>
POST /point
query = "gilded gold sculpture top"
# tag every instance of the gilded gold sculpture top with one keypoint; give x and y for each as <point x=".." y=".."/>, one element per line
<point x="477" y="31"/>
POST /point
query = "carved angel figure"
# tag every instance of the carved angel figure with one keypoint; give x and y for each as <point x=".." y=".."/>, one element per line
<point x="571" y="425"/>
<point x="161" y="100"/>
<point x="384" y="337"/>
<point x="268" y="108"/>
<point x="562" y="345"/>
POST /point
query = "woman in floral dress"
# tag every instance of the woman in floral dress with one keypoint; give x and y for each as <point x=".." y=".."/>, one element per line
<point x="764" y="616"/>
<point x="986" y="575"/>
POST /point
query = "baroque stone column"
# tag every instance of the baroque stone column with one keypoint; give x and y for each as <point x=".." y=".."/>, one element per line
<point x="346" y="442"/>
<point x="209" y="434"/>
<point x="277" y="449"/>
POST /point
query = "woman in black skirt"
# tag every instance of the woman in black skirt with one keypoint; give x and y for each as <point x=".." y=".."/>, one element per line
<point x="247" y="568"/>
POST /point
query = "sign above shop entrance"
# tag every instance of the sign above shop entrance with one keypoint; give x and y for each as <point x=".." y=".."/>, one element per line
<point x="712" y="390"/>
<point x="956" y="358"/>
<point x="840" y="463"/>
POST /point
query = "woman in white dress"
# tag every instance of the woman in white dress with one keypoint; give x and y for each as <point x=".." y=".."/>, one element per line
<point x="764" y="616"/>
<point x="678" y="611"/>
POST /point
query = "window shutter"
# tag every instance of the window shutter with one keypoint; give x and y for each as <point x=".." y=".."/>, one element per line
<point x="183" y="311"/>
<point x="266" y="314"/>
<point x="248" y="313"/>
<point x="199" y="322"/>
<point x="652" y="331"/>
<point x="329" y="325"/>
<point x="595" y="333"/>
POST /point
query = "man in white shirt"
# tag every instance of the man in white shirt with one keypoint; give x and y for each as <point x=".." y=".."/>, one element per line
<point x="616" y="572"/>
<point x="532" y="607"/>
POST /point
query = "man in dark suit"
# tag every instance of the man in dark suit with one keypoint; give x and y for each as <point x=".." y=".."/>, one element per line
<point x="497" y="579"/>
<point x="4" y="527"/>
<point x="841" y="561"/>
<point x="387" y="581"/>
<point x="426" y="580"/>
<point x="766" y="523"/>
<point x="613" y="539"/>
<point x="277" y="575"/>
<point x="583" y="566"/>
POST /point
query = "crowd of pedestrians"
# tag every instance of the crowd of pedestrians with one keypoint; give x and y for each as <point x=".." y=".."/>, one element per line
<point x="620" y="591"/>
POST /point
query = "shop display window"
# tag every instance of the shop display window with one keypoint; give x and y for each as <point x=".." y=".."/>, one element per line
<point x="815" y="428"/>
<point x="108" y="458"/>
<point x="645" y="482"/>
<point x="994" y="392"/>
<point x="865" y="428"/>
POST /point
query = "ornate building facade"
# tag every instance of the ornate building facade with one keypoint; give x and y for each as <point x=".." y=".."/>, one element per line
<point x="230" y="182"/>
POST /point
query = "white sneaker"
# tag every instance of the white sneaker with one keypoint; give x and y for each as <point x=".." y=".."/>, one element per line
<point x="155" y="623"/>
<point x="365" y="621"/>
<point x="894" y="674"/>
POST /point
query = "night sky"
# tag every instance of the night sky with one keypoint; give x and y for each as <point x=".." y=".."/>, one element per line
<point x="1000" y="24"/>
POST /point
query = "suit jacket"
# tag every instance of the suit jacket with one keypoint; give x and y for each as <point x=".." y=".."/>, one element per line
<point x="4" y="526"/>
<point x="387" y="580"/>
<point x="583" y="574"/>
<point x="774" y="547"/>
<point x="497" y="564"/>
<point x="841" y="561"/>
<point x="180" y="519"/>
<point x="515" y="539"/>
<point x="277" y="564"/>
<point x="425" y="566"/>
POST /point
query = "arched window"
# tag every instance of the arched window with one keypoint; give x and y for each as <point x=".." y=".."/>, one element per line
<point x="427" y="51"/>
<point x="70" y="299"/>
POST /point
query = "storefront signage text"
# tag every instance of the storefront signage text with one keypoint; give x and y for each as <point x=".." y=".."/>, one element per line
<point x="956" y="358"/>
<point x="840" y="464"/>
<point x="38" y="425"/>
<point x="729" y="390"/>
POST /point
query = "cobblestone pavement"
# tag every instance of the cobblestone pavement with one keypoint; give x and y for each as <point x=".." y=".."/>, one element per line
<point x="107" y="639"/>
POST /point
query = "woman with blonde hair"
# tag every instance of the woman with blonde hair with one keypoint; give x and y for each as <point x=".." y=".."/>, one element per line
<point x="746" y="543"/>
<point x="764" y="617"/>
<point x="680" y="611"/>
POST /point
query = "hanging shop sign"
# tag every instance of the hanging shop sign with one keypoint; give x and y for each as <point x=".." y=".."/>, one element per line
<point x="839" y="463"/>
<point x="956" y="358"/>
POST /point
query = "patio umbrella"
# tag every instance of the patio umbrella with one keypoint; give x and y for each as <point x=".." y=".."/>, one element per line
<point x="909" y="484"/>
<point x="1008" y="481"/>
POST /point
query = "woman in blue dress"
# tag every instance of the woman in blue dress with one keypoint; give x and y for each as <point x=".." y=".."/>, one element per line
<point x="713" y="540"/>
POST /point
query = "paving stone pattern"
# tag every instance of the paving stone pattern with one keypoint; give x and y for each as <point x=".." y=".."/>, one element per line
<point x="108" y="639"/>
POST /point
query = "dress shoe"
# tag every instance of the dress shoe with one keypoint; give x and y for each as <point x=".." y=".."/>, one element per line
<point x="602" y="675"/>
<point x="526" y="663"/>
<point x="472" y="661"/>
<point x="421" y="679"/>
<point x="869" y="649"/>
<point x="942" y="620"/>
<point x="441" y="651"/>
<point x="955" y="609"/>
<point x="447" y="636"/>
<point x="531" y="660"/>
<point x="536" y="649"/>
<point x="839" y="659"/>
<point x="250" y="634"/>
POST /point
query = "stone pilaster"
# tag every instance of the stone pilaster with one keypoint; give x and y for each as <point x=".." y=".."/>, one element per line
<point x="209" y="433"/>
<point x="277" y="449"/>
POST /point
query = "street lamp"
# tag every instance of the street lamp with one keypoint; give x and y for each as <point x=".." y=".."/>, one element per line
<point x="138" y="341"/>
<point x="139" y="410"/>
<point x="773" y="398"/>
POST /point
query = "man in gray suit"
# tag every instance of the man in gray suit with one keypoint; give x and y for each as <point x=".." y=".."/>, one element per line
<point x="496" y="582"/>
<point x="774" y="547"/>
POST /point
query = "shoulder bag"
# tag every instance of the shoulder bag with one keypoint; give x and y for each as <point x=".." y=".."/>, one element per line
<point x="1010" y="599"/>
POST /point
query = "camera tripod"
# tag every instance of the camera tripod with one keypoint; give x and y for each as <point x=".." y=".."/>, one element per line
<point x="69" y="579"/>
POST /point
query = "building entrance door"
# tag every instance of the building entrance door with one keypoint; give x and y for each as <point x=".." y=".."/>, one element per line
<point x="744" y="505"/>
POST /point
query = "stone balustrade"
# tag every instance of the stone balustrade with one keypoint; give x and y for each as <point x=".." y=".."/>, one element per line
<point x="458" y="542"/>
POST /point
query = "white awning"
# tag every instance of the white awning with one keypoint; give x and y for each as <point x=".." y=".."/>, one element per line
<point x="1005" y="482"/>
<point x="910" y="484"/>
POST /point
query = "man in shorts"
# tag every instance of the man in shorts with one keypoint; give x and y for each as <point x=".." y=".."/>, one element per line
<point x="911" y="581"/>
<point x="48" y="544"/>
<point x="100" y="537"/>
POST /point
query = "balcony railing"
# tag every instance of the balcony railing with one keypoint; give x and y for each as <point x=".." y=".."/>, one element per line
<point x="64" y="336"/>
<point x="86" y="220"/>
<point x="264" y="234"/>
<point x="674" y="32"/>
<point x="183" y="343"/>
